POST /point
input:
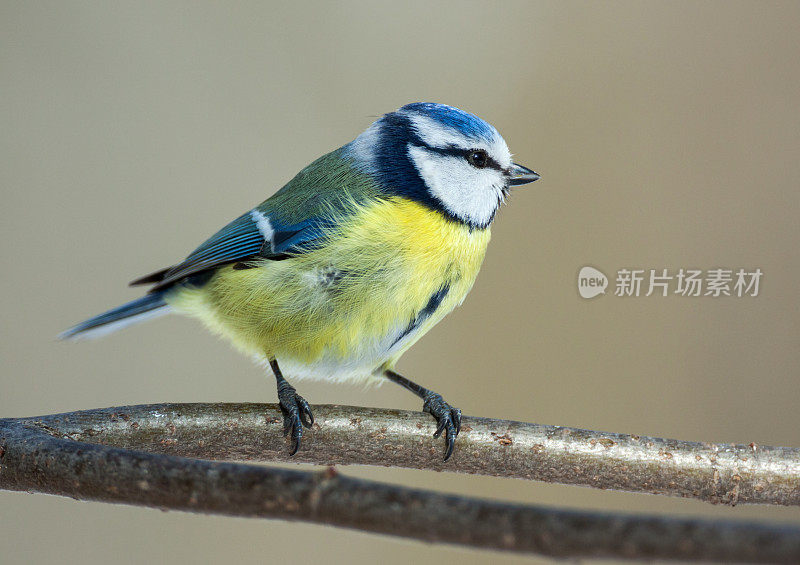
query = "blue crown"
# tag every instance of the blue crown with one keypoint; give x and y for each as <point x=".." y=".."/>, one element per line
<point x="464" y="122"/>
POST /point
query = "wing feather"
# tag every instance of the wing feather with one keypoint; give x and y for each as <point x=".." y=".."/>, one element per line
<point x="241" y="240"/>
<point x="293" y="221"/>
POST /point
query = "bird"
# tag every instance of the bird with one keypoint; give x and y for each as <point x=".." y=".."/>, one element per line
<point x="344" y="268"/>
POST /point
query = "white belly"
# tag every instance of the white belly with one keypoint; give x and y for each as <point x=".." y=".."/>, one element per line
<point x="362" y="366"/>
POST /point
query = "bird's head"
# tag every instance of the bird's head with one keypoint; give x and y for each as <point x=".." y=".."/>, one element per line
<point x="442" y="157"/>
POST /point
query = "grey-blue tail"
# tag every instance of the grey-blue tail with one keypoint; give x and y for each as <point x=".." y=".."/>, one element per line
<point x="144" y="308"/>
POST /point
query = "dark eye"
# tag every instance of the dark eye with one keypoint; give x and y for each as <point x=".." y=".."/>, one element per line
<point x="478" y="158"/>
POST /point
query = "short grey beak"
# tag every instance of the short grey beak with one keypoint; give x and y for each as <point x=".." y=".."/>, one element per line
<point x="521" y="175"/>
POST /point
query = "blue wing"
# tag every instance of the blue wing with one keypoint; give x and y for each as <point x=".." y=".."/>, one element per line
<point x="250" y="236"/>
<point x="292" y="221"/>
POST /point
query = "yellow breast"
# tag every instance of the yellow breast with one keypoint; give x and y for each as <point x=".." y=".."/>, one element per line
<point x="356" y="303"/>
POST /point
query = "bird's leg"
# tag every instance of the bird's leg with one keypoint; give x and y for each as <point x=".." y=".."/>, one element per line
<point x="295" y="409"/>
<point x="448" y="418"/>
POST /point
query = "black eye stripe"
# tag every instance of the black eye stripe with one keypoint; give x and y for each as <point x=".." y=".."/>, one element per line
<point x="463" y="153"/>
<point x="492" y="164"/>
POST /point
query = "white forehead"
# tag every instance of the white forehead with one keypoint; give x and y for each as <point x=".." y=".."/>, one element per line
<point x="438" y="135"/>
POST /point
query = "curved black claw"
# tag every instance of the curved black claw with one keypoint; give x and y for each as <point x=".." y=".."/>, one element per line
<point x="448" y="418"/>
<point x="296" y="414"/>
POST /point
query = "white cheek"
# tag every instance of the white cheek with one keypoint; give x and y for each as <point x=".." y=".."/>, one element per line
<point x="466" y="192"/>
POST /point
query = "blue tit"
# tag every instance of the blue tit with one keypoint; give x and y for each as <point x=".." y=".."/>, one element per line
<point x="344" y="268"/>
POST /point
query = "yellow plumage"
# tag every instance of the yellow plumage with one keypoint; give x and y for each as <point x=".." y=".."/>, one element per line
<point x="336" y="312"/>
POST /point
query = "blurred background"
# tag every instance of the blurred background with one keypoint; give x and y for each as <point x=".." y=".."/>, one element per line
<point x="667" y="136"/>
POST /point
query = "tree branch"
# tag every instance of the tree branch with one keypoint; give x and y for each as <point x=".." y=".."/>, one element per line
<point x="59" y="454"/>
<point x="717" y="473"/>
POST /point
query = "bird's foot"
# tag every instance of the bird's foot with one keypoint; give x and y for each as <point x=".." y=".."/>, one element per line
<point x="296" y="414"/>
<point x="448" y="418"/>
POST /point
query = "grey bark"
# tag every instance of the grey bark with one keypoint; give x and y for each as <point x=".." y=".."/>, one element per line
<point x="138" y="455"/>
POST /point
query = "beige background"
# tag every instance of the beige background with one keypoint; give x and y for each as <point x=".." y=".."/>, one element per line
<point x="667" y="136"/>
